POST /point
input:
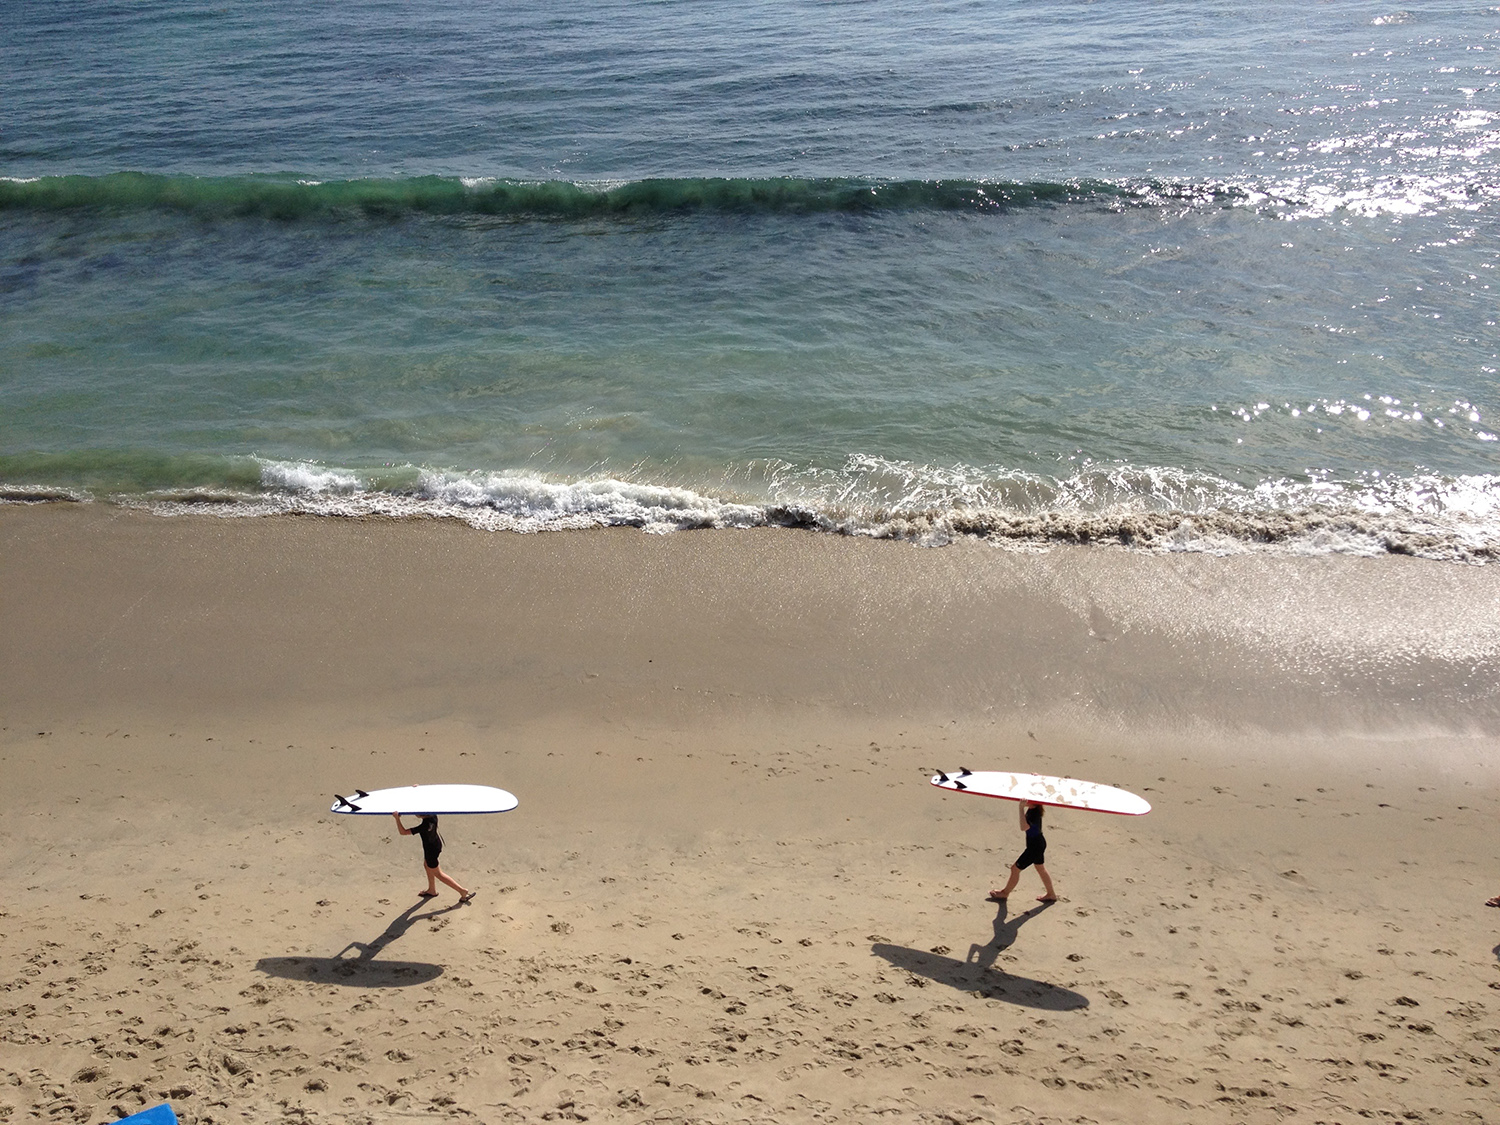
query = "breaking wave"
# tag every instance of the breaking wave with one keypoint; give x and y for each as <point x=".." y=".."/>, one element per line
<point x="1148" y="509"/>
<point x="289" y="199"/>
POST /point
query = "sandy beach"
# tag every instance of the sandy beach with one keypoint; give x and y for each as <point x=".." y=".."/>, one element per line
<point x="729" y="893"/>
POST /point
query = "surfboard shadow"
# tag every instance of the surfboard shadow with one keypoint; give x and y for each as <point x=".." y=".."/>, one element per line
<point x="361" y="970"/>
<point x="977" y="974"/>
<point x="350" y="971"/>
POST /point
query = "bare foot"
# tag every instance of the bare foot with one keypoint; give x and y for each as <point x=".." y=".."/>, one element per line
<point x="996" y="896"/>
<point x="1046" y="898"/>
<point x="1494" y="901"/>
<point x="466" y="898"/>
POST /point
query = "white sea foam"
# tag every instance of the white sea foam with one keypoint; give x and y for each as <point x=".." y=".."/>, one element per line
<point x="1134" y="507"/>
<point x="302" y="477"/>
<point x="40" y="494"/>
<point x="489" y="501"/>
<point x="528" y="503"/>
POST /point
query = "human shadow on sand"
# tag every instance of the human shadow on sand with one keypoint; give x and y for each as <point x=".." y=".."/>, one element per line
<point x="977" y="972"/>
<point x="362" y="970"/>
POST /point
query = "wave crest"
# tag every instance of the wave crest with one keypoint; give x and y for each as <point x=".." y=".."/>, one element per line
<point x="1151" y="509"/>
<point x="288" y="199"/>
<point x="1132" y="507"/>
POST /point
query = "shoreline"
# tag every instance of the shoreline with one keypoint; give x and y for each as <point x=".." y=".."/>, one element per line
<point x="112" y="608"/>
<point x="1431" y="517"/>
<point x="729" y="893"/>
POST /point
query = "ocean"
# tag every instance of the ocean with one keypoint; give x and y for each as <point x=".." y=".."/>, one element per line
<point x="1168" y="276"/>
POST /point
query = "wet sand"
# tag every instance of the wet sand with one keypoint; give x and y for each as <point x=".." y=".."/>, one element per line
<point x="729" y="893"/>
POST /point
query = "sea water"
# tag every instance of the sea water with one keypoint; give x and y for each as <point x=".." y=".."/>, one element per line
<point x="1200" y="276"/>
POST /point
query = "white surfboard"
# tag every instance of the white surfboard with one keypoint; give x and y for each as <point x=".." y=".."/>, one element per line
<point x="1063" y="792"/>
<point x="427" y="800"/>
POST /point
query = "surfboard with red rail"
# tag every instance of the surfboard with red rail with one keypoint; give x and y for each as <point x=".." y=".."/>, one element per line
<point x="1039" y="789"/>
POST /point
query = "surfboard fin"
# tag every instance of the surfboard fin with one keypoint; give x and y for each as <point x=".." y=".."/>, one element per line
<point x="964" y="772"/>
<point x="361" y="793"/>
<point x="348" y="804"/>
<point x="959" y="785"/>
<point x="941" y="774"/>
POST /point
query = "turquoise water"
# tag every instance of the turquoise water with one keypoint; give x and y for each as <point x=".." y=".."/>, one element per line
<point x="1174" y="275"/>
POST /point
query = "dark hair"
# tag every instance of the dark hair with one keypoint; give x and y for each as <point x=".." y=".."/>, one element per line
<point x="1034" y="815"/>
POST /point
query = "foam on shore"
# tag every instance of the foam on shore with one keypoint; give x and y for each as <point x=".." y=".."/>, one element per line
<point x="1141" y="508"/>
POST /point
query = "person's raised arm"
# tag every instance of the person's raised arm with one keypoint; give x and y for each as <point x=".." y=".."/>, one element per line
<point x="1021" y="808"/>
<point x="405" y="831"/>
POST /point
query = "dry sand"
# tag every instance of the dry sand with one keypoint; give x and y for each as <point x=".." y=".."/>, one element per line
<point x="729" y="893"/>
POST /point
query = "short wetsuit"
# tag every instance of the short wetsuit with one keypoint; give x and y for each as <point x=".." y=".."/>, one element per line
<point x="432" y="843"/>
<point x="1036" y="847"/>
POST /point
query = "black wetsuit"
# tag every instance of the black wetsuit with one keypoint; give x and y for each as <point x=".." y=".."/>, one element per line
<point x="432" y="843"/>
<point x="1036" y="846"/>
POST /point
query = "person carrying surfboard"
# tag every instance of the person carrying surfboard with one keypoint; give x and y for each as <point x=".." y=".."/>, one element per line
<point x="432" y="847"/>
<point x="1036" y="851"/>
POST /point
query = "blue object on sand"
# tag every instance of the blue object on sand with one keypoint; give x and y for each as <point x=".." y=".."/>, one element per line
<point x="156" y="1115"/>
